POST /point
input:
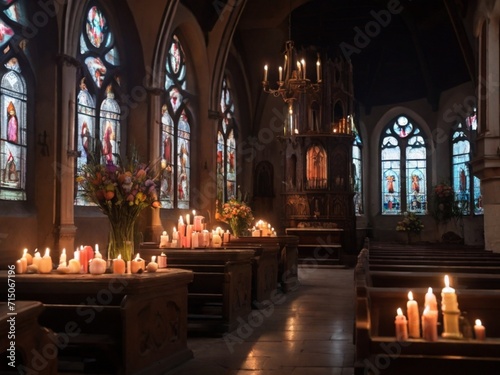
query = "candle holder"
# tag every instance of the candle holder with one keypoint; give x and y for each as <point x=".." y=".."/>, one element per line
<point x="451" y="326"/>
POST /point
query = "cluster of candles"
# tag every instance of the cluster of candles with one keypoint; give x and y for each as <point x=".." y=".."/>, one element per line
<point x="410" y="327"/>
<point x="190" y="236"/>
<point x="263" y="229"/>
<point x="86" y="260"/>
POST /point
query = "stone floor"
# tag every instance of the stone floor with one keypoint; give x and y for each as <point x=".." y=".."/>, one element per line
<point x="306" y="332"/>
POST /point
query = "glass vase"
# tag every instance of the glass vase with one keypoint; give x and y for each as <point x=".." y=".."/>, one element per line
<point x="121" y="239"/>
<point x="238" y="226"/>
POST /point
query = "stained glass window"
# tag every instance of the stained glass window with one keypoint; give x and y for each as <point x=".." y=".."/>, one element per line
<point x="175" y="131"/>
<point x="226" y="145"/>
<point x="357" y="172"/>
<point x="467" y="188"/>
<point x="98" y="114"/>
<point x="13" y="105"/>
<point x="403" y="168"/>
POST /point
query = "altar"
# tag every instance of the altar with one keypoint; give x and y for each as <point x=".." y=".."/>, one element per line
<point x="128" y="324"/>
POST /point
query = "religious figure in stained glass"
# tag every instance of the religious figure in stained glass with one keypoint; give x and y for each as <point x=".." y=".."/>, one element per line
<point x="462" y="186"/>
<point x="415" y="183"/>
<point x="11" y="175"/>
<point x="12" y="124"/>
<point x="107" y="146"/>
<point x="390" y="183"/>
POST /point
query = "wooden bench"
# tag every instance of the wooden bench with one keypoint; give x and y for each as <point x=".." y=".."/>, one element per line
<point x="221" y="291"/>
<point x="30" y="348"/>
<point x="288" y="278"/>
<point x="127" y="324"/>
<point x="377" y="349"/>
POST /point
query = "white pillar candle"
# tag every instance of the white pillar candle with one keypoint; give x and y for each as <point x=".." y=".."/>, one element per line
<point x="164" y="239"/>
<point x="37" y="259"/>
<point x="29" y="258"/>
<point x="401" y="326"/>
<point x="479" y="330"/>
<point x="194" y="240"/>
<point x="62" y="258"/>
<point x="413" y="317"/>
<point x="45" y="265"/>
<point x="216" y="240"/>
<point x="448" y="297"/>
<point x="162" y="261"/>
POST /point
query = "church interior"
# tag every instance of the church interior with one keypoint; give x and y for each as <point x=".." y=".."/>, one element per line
<point x="259" y="148"/>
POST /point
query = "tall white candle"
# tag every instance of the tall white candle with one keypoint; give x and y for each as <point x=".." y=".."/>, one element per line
<point x="413" y="317"/>
<point x="430" y="300"/>
<point x="265" y="73"/>
<point x="448" y="297"/>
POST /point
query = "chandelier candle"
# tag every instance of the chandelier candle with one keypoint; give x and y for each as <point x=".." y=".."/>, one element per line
<point x="413" y="317"/>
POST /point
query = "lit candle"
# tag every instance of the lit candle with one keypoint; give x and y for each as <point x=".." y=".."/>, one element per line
<point x="413" y="317"/>
<point x="62" y="258"/>
<point x="265" y="73"/>
<point x="401" y="326"/>
<point x="198" y="223"/>
<point x="188" y="219"/>
<point x="119" y="265"/>
<point x="280" y="73"/>
<point x="175" y="234"/>
<point x="429" y="324"/>
<point x="448" y="297"/>
<point x="137" y="264"/>
<point x="303" y="62"/>
<point x="97" y="265"/>
<point x="189" y="236"/>
<point x="152" y="266"/>
<point x="164" y="239"/>
<point x="19" y="267"/>
<point x="45" y="265"/>
<point x="162" y="260"/>
<point x="29" y="258"/>
<point x="318" y="70"/>
<point x="430" y="300"/>
<point x="216" y="239"/>
<point x="194" y="240"/>
<point x="479" y="330"/>
<point x="225" y="237"/>
<point x="206" y="238"/>
<point x="181" y="229"/>
<point x="74" y="266"/>
<point x="36" y="260"/>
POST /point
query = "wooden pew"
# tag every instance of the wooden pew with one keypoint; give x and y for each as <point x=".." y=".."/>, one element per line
<point x="31" y="345"/>
<point x="437" y="268"/>
<point x="221" y="291"/>
<point x="287" y="257"/>
<point x="127" y="324"/>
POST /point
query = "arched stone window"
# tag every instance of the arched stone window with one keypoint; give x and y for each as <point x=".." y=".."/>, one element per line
<point x="403" y="159"/>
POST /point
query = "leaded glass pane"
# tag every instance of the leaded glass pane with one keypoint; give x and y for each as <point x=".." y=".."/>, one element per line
<point x="97" y="69"/>
<point x="96" y="26"/>
<point x="478" y="199"/>
<point x="110" y="129"/>
<point x="184" y="162"/>
<point x="13" y="137"/>
<point x="6" y="33"/>
<point x="220" y="161"/>
<point x="14" y="12"/>
<point x="460" y="172"/>
<point x="231" y="164"/>
<point x="167" y="164"/>
<point x="357" y="172"/>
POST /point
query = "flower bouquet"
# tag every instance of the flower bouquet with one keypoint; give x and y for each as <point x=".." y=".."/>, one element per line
<point x="237" y="214"/>
<point x="410" y="223"/>
<point x="443" y="203"/>
<point x="121" y="192"/>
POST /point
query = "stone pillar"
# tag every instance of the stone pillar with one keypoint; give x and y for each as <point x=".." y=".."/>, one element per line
<point x="65" y="225"/>
<point x="486" y="163"/>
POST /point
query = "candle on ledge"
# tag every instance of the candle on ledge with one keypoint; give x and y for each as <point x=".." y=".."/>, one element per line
<point x="188" y="219"/>
<point x="36" y="260"/>
<point x="189" y="236"/>
<point x="137" y="264"/>
<point x="479" y="330"/>
<point x="97" y="265"/>
<point x="119" y="265"/>
<point x="198" y="223"/>
<point x="45" y="265"/>
<point x="401" y="326"/>
<point x="152" y="266"/>
<point x="29" y="258"/>
<point x="448" y="296"/>
<point x="194" y="240"/>
<point x="413" y="317"/>
<point x="451" y="313"/>
<point x="162" y="260"/>
<point x="430" y="300"/>
<point x="206" y="238"/>
<point x="19" y="266"/>
<point x="164" y="239"/>
<point x="62" y="258"/>
<point x="216" y="239"/>
<point x="225" y="237"/>
<point x="429" y="324"/>
<point x="181" y="229"/>
<point x="74" y="266"/>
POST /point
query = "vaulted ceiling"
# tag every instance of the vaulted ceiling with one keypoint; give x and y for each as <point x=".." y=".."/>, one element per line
<point x="400" y="50"/>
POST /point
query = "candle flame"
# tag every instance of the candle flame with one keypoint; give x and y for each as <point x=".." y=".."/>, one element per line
<point x="25" y="251"/>
<point x="47" y="252"/>
<point x="446" y="281"/>
<point x="137" y="257"/>
<point x="400" y="312"/>
<point x="153" y="258"/>
<point x="410" y="295"/>
<point x="478" y="322"/>
<point x="119" y="256"/>
<point x="429" y="290"/>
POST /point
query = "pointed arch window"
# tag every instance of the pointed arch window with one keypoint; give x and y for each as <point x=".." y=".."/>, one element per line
<point x="403" y="168"/>
<point x="357" y="173"/>
<point x="98" y="115"/>
<point x="226" y="145"/>
<point x="467" y="188"/>
<point x="14" y="128"/>
<point x="175" y="131"/>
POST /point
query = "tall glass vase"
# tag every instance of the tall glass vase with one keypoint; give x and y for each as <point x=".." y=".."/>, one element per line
<point x="121" y="239"/>
<point x="238" y="226"/>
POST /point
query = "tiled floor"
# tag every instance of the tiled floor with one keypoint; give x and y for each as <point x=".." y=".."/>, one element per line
<point x="305" y="332"/>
